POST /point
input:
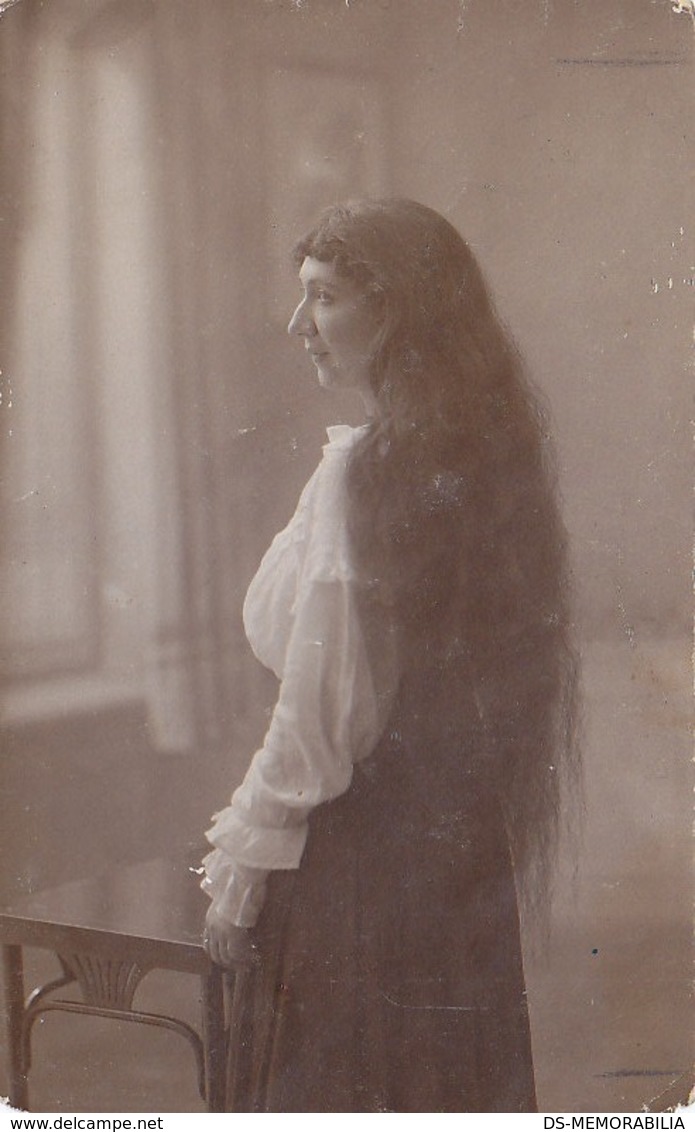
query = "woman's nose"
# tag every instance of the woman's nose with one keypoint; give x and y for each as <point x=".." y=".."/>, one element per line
<point x="301" y="323"/>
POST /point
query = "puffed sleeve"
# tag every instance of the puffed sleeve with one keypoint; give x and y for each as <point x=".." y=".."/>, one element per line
<point x="336" y="693"/>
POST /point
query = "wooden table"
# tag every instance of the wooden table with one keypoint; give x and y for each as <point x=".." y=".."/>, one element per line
<point x="108" y="933"/>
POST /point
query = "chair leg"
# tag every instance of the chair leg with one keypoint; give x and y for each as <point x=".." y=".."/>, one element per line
<point x="13" y="977"/>
<point x="214" y="1038"/>
<point x="240" y="1041"/>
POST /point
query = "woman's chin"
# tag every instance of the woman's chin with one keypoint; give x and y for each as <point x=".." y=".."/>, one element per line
<point x="333" y="376"/>
<point x="327" y="377"/>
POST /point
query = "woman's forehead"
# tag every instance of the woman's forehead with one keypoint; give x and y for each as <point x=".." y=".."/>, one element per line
<point x="318" y="271"/>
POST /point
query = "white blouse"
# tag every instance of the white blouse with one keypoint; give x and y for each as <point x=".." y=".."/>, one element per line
<point x="336" y="691"/>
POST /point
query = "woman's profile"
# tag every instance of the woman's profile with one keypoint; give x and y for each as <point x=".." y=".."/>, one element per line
<point x="415" y="611"/>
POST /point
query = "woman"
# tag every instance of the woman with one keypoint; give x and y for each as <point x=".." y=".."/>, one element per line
<point x="415" y="612"/>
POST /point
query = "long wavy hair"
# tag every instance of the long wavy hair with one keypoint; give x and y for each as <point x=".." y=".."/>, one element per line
<point x="453" y="514"/>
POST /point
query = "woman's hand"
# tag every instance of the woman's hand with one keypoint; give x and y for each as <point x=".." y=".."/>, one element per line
<point x="227" y="944"/>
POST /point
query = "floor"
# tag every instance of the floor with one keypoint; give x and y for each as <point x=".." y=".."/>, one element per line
<point x="610" y="995"/>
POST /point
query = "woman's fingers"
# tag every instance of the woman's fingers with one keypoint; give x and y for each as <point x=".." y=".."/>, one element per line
<point x="227" y="944"/>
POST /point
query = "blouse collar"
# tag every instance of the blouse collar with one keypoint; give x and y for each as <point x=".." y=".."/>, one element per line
<point x="342" y="435"/>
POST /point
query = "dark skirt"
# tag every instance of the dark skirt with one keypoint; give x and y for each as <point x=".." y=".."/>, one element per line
<point x="391" y="977"/>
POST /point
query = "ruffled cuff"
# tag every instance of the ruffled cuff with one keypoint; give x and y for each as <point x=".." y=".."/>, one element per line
<point x="236" y="891"/>
<point x="258" y="847"/>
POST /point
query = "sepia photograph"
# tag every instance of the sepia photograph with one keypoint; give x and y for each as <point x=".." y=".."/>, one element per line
<point x="346" y="555"/>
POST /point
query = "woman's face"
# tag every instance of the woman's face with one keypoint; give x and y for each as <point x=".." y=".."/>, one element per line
<point x="338" y="327"/>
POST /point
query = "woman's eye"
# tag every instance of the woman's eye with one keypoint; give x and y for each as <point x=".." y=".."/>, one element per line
<point x="324" y="297"/>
